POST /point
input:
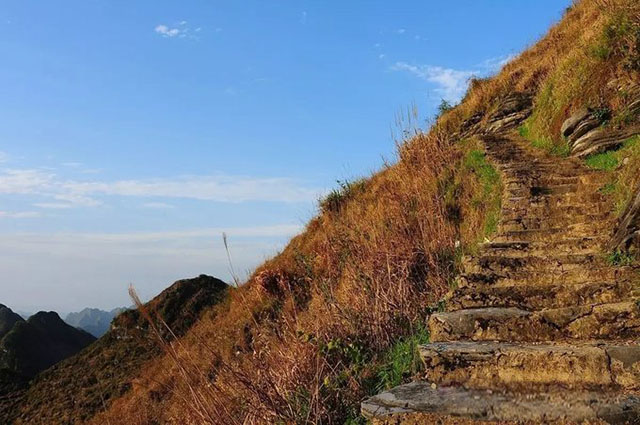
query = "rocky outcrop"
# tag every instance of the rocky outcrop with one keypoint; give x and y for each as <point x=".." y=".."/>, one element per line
<point x="584" y="130"/>
<point x="511" y="111"/>
<point x="600" y="140"/>
<point x="628" y="230"/>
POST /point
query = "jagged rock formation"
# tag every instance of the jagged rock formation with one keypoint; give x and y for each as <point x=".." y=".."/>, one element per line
<point x="73" y="390"/>
<point x="541" y="329"/>
<point x="93" y="320"/>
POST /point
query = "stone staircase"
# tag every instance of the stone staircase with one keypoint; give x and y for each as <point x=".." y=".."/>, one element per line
<point x="541" y="328"/>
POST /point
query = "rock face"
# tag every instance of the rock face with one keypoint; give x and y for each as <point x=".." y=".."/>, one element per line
<point x="93" y="320"/>
<point x="516" y="344"/>
<point x="105" y="370"/>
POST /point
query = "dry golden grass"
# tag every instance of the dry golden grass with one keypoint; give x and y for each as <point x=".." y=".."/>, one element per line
<point x="302" y="340"/>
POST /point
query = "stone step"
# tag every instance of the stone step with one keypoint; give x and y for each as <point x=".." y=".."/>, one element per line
<point x="556" y="200"/>
<point x="602" y="321"/>
<point x="563" y="246"/>
<point x="538" y="263"/>
<point x="582" y="230"/>
<point x="421" y="403"/>
<point x="515" y="190"/>
<point x="526" y="209"/>
<point x="527" y="367"/>
<point x="516" y="221"/>
<point x="542" y="277"/>
<point x="536" y="297"/>
<point x="560" y="225"/>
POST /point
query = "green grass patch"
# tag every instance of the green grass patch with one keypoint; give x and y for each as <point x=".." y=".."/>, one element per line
<point x="606" y="161"/>
<point x="560" y="149"/>
<point x="620" y="258"/>
<point x="490" y="196"/>
<point x="402" y="361"/>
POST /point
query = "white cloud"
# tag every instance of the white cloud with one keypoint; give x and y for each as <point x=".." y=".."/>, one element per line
<point x="219" y="188"/>
<point x="303" y="17"/>
<point x="450" y="83"/>
<point x="25" y="181"/>
<point x="401" y="31"/>
<point x="158" y="205"/>
<point x="3" y="157"/>
<point x="165" y="31"/>
<point x="495" y="64"/>
<point x="61" y="193"/>
<point x="19" y="214"/>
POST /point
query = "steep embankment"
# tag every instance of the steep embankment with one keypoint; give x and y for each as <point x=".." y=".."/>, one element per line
<point x="337" y="315"/>
<point x="74" y="390"/>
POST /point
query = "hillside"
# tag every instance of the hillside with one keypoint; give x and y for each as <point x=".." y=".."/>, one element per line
<point x="337" y="317"/>
<point x="7" y="319"/>
<point x="93" y="320"/>
<point x="39" y="342"/>
<point x="77" y="388"/>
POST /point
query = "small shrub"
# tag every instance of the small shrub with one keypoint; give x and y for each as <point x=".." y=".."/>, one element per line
<point x="336" y="199"/>
<point x="445" y="106"/>
<point x="620" y="258"/>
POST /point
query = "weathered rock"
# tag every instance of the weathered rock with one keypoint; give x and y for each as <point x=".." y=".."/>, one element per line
<point x="628" y="230"/>
<point x="601" y="139"/>
<point x="419" y="403"/>
<point x="583" y="127"/>
<point x="572" y="122"/>
<point x="511" y="111"/>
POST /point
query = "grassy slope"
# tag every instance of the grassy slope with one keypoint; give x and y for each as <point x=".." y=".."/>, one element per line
<point x="336" y="315"/>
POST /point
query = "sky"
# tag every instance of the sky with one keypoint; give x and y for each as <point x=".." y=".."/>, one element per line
<point x="133" y="134"/>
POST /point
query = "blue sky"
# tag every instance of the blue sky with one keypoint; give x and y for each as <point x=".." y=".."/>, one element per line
<point x="132" y="134"/>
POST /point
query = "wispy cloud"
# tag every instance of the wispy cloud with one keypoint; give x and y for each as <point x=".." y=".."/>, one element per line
<point x="19" y="214"/>
<point x="158" y="205"/>
<point x="59" y="193"/>
<point x="179" y="30"/>
<point x="495" y="64"/>
<point x="303" y="17"/>
<point x="3" y="157"/>
<point x="165" y="31"/>
<point x="451" y="84"/>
